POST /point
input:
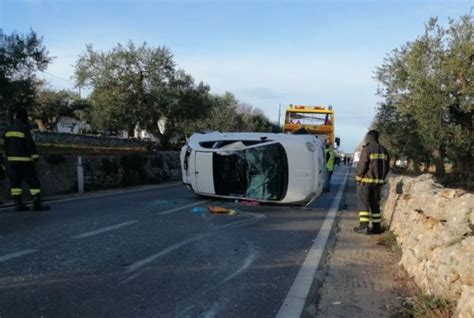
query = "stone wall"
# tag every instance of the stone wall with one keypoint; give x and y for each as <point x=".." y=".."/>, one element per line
<point x="55" y="138"/>
<point x="435" y="230"/>
<point x="58" y="173"/>
<point x="120" y="171"/>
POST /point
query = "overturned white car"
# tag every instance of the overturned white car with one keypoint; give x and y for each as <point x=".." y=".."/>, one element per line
<point x="266" y="167"/>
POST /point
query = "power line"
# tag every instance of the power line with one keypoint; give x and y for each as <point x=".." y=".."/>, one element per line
<point x="63" y="79"/>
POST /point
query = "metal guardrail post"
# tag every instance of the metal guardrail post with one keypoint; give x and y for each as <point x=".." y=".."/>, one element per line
<point x="80" y="175"/>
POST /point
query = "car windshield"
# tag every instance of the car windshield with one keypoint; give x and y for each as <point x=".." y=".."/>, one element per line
<point x="256" y="173"/>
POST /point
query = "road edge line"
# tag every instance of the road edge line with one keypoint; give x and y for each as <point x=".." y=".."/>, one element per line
<point x="295" y="300"/>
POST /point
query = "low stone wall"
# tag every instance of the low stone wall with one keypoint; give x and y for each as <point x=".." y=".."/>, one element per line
<point x="435" y="231"/>
<point x="128" y="170"/>
<point x="58" y="173"/>
<point x="44" y="137"/>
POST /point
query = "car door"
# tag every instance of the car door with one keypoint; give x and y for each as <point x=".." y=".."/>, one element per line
<point x="204" y="172"/>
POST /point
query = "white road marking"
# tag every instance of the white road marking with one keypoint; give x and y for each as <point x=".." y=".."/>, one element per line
<point x="133" y="267"/>
<point x="293" y="304"/>
<point x="8" y="257"/>
<point x="248" y="261"/>
<point x="105" y="229"/>
<point x="211" y="313"/>
<point x="182" y="207"/>
<point x="167" y="250"/>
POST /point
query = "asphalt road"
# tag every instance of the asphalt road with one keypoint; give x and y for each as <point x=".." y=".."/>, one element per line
<point x="145" y="254"/>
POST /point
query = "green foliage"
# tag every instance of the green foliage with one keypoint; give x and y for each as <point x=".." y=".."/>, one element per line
<point x="396" y="128"/>
<point x="427" y="86"/>
<point x="50" y="105"/>
<point x="389" y="240"/>
<point x="426" y="306"/>
<point x="130" y="86"/>
<point x="140" y="86"/>
<point x="20" y="57"/>
<point x="228" y="114"/>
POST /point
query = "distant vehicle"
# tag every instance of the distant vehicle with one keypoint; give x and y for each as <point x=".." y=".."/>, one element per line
<point x="317" y="120"/>
<point x="266" y="167"/>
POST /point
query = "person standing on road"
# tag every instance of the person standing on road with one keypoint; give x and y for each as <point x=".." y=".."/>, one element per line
<point x="21" y="153"/>
<point x="330" y="155"/>
<point x="371" y="171"/>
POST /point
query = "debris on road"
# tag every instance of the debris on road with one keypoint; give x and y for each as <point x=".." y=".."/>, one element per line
<point x="221" y="210"/>
<point x="249" y="203"/>
<point x="198" y="209"/>
<point x="217" y="209"/>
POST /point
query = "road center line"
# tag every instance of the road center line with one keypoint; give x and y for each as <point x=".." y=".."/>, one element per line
<point x="8" y="257"/>
<point x="138" y="264"/>
<point x="294" y="302"/>
<point x="182" y="207"/>
<point x="105" y="229"/>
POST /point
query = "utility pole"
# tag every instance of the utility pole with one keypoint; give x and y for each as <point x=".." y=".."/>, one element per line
<point x="279" y="114"/>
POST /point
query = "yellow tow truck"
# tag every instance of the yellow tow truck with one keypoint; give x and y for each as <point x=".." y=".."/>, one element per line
<point x="317" y="120"/>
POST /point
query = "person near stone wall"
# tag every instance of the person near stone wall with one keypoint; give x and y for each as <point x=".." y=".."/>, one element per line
<point x="21" y="153"/>
<point x="371" y="171"/>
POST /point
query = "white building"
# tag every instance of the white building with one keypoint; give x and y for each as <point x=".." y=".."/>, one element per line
<point x="72" y="125"/>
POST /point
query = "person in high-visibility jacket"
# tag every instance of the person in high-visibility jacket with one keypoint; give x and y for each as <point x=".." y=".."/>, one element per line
<point x="330" y="156"/>
<point x="21" y="153"/>
<point x="371" y="171"/>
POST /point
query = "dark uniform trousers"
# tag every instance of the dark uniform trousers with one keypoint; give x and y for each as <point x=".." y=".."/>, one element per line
<point x="23" y="171"/>
<point x="368" y="203"/>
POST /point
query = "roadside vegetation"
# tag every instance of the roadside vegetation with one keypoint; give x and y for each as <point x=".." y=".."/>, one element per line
<point x="417" y="305"/>
<point x="130" y="86"/>
<point x="389" y="240"/>
<point x="428" y="101"/>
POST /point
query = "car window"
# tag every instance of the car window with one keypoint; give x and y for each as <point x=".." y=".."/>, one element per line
<point x="256" y="173"/>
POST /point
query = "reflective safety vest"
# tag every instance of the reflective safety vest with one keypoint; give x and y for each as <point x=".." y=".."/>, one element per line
<point x="19" y="145"/>
<point x="330" y="159"/>
<point x="373" y="165"/>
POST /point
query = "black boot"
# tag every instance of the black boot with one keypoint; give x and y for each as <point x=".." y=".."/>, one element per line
<point x="19" y="205"/>
<point x="38" y="206"/>
<point x="376" y="229"/>
<point x="363" y="228"/>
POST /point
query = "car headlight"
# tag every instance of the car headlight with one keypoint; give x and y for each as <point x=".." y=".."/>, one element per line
<point x="311" y="147"/>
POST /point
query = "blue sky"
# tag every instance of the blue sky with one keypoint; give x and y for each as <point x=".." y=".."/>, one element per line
<point x="265" y="52"/>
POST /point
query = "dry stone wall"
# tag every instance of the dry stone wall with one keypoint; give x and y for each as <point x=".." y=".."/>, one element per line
<point x="58" y="173"/>
<point x="435" y="230"/>
<point x="89" y="140"/>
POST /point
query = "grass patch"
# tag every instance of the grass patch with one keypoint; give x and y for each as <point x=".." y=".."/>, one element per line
<point x="425" y="306"/>
<point x="389" y="240"/>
